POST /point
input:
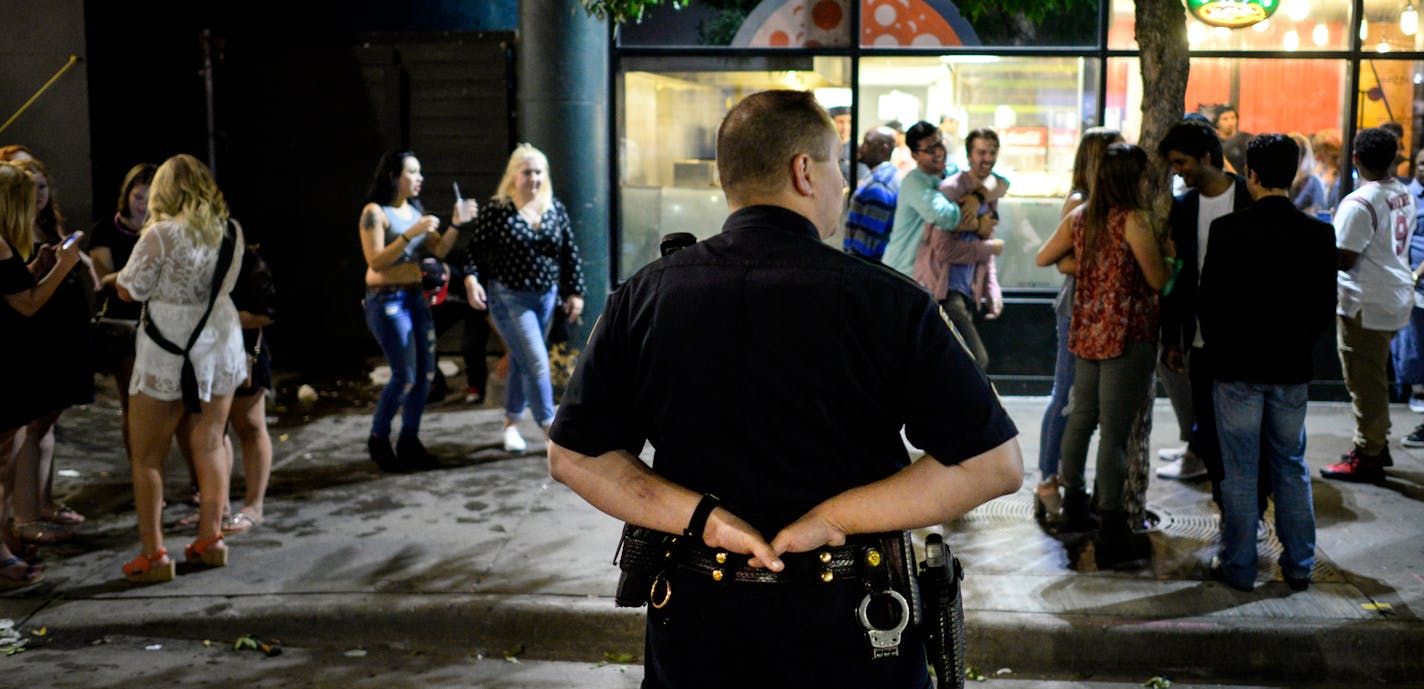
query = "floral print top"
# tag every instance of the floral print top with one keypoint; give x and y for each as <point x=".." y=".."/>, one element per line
<point x="1112" y="302"/>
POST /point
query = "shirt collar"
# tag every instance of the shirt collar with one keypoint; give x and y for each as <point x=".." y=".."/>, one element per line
<point x="771" y="218"/>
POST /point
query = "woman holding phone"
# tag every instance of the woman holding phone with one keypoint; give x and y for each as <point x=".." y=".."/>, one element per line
<point x="21" y="297"/>
<point x="396" y="234"/>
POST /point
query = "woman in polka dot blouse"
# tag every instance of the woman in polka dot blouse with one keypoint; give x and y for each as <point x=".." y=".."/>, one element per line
<point x="523" y="251"/>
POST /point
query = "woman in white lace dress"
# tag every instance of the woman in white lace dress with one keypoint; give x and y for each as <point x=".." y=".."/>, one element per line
<point x="172" y="269"/>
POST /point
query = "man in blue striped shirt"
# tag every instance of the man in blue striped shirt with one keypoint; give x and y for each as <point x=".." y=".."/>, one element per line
<point x="872" y="206"/>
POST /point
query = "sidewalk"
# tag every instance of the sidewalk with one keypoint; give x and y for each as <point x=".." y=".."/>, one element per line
<point x="489" y="554"/>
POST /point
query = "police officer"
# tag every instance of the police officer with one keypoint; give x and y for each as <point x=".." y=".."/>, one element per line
<point x="772" y="375"/>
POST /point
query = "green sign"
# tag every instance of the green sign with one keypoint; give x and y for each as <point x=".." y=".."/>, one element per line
<point x="1232" y="14"/>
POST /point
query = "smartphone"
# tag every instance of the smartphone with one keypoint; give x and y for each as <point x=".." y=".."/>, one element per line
<point x="458" y="197"/>
<point x="69" y="241"/>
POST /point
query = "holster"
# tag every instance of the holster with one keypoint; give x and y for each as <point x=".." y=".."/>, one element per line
<point x="642" y="554"/>
<point x="943" y="628"/>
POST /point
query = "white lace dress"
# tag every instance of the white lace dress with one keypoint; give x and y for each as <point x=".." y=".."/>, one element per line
<point x="174" y="275"/>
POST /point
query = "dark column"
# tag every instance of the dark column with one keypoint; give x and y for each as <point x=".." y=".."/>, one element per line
<point x="563" y="110"/>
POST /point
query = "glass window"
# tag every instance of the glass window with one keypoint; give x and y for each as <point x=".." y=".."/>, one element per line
<point x="944" y="24"/>
<point x="1392" y="91"/>
<point x="669" y="110"/>
<point x="1038" y="107"/>
<point x="1390" y="25"/>
<point x="744" y="24"/>
<point x="1295" y="25"/>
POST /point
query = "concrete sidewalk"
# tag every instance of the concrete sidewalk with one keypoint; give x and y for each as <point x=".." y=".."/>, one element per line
<point x="489" y="554"/>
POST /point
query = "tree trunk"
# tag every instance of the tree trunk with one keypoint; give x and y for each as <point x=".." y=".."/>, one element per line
<point x="1162" y="39"/>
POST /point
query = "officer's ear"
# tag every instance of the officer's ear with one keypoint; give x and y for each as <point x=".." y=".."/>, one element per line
<point x="801" y="174"/>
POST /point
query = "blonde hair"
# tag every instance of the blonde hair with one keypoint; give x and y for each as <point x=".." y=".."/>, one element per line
<point x="183" y="191"/>
<point x="17" y="207"/>
<point x="504" y="193"/>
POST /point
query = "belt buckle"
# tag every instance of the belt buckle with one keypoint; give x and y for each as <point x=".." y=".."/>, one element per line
<point x="884" y="643"/>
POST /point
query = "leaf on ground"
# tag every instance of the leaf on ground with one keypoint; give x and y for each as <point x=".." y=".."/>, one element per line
<point x="973" y="673"/>
<point x="1377" y="607"/>
<point x="512" y="653"/>
<point x="1003" y="671"/>
<point x="207" y="643"/>
<point x="620" y="658"/>
<point x="1158" y="682"/>
<point x="244" y="641"/>
<point x="40" y="632"/>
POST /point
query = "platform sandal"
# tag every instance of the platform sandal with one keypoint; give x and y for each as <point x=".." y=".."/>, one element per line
<point x="148" y="569"/>
<point x="29" y="576"/>
<point x="203" y="552"/>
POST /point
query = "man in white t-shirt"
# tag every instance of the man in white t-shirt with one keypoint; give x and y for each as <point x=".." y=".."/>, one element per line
<point x="1372" y="229"/>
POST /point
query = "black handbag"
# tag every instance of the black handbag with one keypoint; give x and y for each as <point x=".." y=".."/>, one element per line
<point x="113" y="338"/>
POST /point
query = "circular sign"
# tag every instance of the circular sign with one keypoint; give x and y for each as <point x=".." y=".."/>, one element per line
<point x="1232" y="14"/>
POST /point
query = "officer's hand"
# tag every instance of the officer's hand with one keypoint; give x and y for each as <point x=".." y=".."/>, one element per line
<point x="728" y="532"/>
<point x="809" y="532"/>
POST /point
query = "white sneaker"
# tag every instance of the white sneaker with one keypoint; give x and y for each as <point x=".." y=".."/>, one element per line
<point x="513" y="441"/>
<point x="1188" y="467"/>
<point x="1263" y="532"/>
<point x="1416" y="405"/>
<point x="1171" y="454"/>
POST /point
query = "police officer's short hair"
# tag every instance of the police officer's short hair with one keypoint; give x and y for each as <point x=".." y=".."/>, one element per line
<point x="761" y="135"/>
<point x="1193" y="139"/>
<point x="1376" y="149"/>
<point x="1274" y="158"/>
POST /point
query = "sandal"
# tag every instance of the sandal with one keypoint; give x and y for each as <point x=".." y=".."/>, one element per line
<point x="41" y="532"/>
<point x="240" y="523"/>
<point x="1047" y="501"/>
<point x="203" y="552"/>
<point x="60" y="513"/>
<point x="148" y="569"/>
<point x="32" y="574"/>
<point x="192" y="519"/>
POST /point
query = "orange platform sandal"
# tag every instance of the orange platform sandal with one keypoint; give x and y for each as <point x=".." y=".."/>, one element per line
<point x="203" y="552"/>
<point x="148" y="569"/>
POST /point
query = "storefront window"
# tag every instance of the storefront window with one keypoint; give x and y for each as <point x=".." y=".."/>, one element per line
<point x="1391" y="25"/>
<point x="669" y="110"/>
<point x="744" y="24"/>
<point x="1389" y="91"/>
<point x="1296" y="25"/>
<point x="1038" y="107"/>
<point x="968" y="23"/>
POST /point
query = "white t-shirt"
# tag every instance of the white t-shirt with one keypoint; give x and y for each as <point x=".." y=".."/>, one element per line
<point x="1212" y="207"/>
<point x="1380" y="287"/>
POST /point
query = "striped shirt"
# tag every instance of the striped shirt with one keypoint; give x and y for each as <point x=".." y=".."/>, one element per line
<point x="872" y="213"/>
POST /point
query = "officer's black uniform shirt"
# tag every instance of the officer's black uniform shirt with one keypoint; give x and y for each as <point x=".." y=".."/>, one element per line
<point x="773" y="371"/>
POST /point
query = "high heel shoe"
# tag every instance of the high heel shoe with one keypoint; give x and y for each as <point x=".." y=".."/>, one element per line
<point x="152" y="568"/>
<point x="203" y="552"/>
<point x="1047" y="502"/>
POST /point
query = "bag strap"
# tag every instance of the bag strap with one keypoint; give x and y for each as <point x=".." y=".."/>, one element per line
<point x="189" y="379"/>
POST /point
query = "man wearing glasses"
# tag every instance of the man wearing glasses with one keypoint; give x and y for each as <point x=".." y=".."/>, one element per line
<point x="920" y="201"/>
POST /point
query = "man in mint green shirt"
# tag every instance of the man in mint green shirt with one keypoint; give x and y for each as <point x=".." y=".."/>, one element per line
<point x="920" y="201"/>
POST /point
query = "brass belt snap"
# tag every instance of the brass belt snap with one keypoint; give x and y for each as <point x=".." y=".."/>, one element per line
<point x="884" y="643"/>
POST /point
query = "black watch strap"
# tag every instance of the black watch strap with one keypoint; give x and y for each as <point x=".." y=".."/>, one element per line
<point x="698" y="524"/>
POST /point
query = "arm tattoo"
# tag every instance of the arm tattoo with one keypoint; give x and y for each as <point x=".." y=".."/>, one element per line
<point x="371" y="220"/>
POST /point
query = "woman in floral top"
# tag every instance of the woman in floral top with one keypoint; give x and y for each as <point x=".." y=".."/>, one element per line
<point x="523" y="250"/>
<point x="1113" y="337"/>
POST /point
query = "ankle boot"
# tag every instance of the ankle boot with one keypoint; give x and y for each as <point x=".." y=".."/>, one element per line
<point x="1077" y="513"/>
<point x="413" y="455"/>
<point x="1117" y="545"/>
<point x="382" y="454"/>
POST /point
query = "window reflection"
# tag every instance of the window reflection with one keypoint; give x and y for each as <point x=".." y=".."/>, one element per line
<point x="1297" y="25"/>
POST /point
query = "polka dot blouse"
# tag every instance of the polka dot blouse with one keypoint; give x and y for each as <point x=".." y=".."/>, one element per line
<point x="506" y="249"/>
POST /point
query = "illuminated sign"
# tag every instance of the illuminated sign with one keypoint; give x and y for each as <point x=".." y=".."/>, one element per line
<point x="1232" y="14"/>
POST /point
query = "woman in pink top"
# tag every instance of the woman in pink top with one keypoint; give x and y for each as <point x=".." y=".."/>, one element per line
<point x="1113" y="338"/>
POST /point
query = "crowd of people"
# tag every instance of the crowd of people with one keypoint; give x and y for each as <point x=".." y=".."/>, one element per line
<point x="1221" y="306"/>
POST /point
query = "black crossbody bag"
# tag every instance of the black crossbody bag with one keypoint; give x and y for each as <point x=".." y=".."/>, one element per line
<point x="189" y="381"/>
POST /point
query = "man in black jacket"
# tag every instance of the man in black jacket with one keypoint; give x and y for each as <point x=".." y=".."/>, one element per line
<point x="1267" y="292"/>
<point x="1194" y="152"/>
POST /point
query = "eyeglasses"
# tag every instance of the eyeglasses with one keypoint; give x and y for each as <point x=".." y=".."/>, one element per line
<point x="932" y="150"/>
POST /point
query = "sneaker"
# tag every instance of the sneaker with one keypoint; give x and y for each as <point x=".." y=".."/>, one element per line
<point x="1359" y="467"/>
<point x="474" y="396"/>
<point x="1416" y="404"/>
<point x="1296" y="584"/>
<point x="1263" y="532"/>
<point x="513" y="441"/>
<point x="1171" y="454"/>
<point x="1188" y="467"/>
<point x="1415" y="437"/>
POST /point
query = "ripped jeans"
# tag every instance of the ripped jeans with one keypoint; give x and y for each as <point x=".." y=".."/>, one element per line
<point x="401" y="321"/>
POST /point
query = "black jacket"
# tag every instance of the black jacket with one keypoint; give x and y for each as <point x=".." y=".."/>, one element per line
<point x="1179" y="309"/>
<point x="1267" y="292"/>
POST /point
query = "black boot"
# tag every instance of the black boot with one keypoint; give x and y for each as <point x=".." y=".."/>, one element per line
<point x="1077" y="515"/>
<point x="383" y="455"/>
<point x="413" y="455"/>
<point x="1117" y="545"/>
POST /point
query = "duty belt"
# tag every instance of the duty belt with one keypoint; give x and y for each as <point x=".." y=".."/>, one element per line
<point x="825" y="564"/>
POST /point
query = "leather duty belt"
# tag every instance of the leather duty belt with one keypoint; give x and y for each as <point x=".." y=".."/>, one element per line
<point x="826" y="564"/>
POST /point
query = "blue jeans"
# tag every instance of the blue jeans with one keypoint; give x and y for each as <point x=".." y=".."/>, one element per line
<point x="1252" y="418"/>
<point x="1050" y="434"/>
<point x="401" y="322"/>
<point x="523" y="319"/>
